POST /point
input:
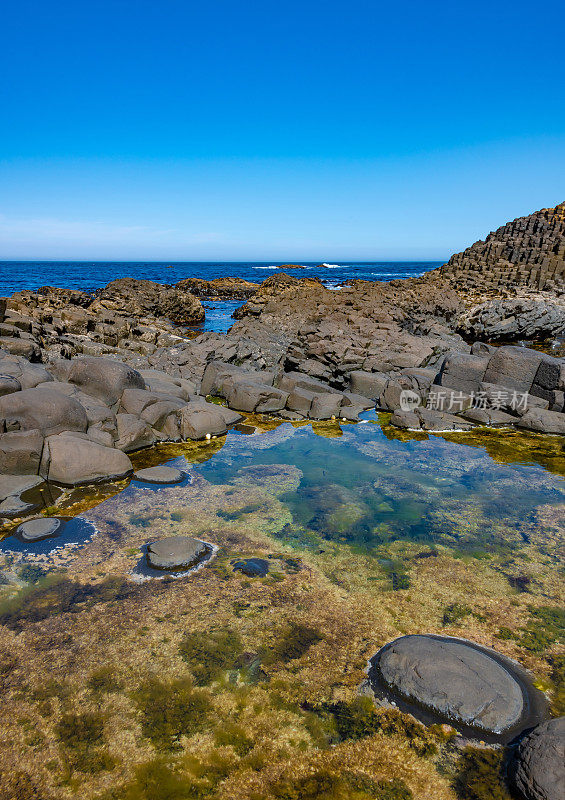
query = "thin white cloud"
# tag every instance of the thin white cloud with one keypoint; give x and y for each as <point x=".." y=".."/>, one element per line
<point x="49" y="230"/>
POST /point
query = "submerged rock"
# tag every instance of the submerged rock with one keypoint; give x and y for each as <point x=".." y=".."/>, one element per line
<point x="453" y="678"/>
<point x="176" y="552"/>
<point x="252" y="567"/>
<point x="35" y="529"/>
<point x="159" y="475"/>
<point x="539" y="765"/>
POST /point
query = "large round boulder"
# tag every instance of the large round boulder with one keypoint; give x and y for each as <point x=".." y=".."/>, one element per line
<point x="539" y="763"/>
<point x="104" y="378"/>
<point x="176" y="552"/>
<point x="460" y="682"/>
<point x="44" y="409"/>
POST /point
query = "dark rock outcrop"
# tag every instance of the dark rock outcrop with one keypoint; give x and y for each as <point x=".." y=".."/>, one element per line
<point x="538" y="768"/>
<point x="144" y="298"/>
<point x="219" y="288"/>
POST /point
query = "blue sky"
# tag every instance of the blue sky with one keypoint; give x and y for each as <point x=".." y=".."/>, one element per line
<point x="260" y="130"/>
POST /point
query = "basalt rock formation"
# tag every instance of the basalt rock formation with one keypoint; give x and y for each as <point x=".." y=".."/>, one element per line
<point x="529" y="251"/>
<point x="127" y="314"/>
<point x="76" y="421"/>
<point x="143" y="298"/>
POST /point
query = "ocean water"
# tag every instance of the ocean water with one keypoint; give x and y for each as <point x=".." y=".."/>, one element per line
<point x="86" y="275"/>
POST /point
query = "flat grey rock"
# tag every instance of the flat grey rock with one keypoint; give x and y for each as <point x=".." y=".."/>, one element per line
<point x="539" y="764"/>
<point x="452" y="678"/>
<point x="159" y="475"/>
<point x="176" y="552"/>
<point x="16" y="484"/>
<point x="14" y="506"/>
<point x="35" y="529"/>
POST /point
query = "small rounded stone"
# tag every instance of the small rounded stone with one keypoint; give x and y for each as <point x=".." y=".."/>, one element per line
<point x="41" y="528"/>
<point x="176" y="552"/>
<point x="159" y="475"/>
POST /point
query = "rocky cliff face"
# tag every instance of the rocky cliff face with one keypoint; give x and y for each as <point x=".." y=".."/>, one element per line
<point x="529" y="252"/>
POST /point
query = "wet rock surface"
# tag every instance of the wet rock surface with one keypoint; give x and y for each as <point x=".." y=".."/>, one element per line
<point x="159" y="475"/>
<point x="35" y="529"/>
<point x="176" y="552"/>
<point x="459" y="682"/>
<point x="252" y="567"/>
<point x="538" y="768"/>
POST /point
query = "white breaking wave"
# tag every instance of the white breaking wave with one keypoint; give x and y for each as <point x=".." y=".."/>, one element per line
<point x="331" y="266"/>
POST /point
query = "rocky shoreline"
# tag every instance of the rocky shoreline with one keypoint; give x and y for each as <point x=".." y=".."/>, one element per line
<point x="87" y="378"/>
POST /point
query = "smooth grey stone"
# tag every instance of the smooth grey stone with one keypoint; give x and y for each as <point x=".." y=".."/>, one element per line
<point x="159" y="475"/>
<point x="539" y="764"/>
<point x="35" y="529"/>
<point x="455" y="679"/>
<point x="176" y="552"/>
<point x="14" y="506"/>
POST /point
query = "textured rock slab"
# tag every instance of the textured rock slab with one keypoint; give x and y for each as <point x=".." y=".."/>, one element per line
<point x="176" y="552"/>
<point x="159" y="475"/>
<point x="454" y="679"/>
<point x="104" y="378"/>
<point x="35" y="529"/>
<point x="539" y="765"/>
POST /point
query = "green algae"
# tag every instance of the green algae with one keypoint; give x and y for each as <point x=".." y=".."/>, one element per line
<point x="455" y="612"/>
<point x="479" y="775"/>
<point x="170" y="710"/>
<point x="292" y="642"/>
<point x="326" y="785"/>
<point x="82" y="736"/>
<point x="210" y="653"/>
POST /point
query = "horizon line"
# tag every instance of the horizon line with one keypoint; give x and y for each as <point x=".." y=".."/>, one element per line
<point x="214" y="261"/>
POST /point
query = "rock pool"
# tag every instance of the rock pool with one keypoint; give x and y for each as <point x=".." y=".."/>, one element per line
<point x="251" y="683"/>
